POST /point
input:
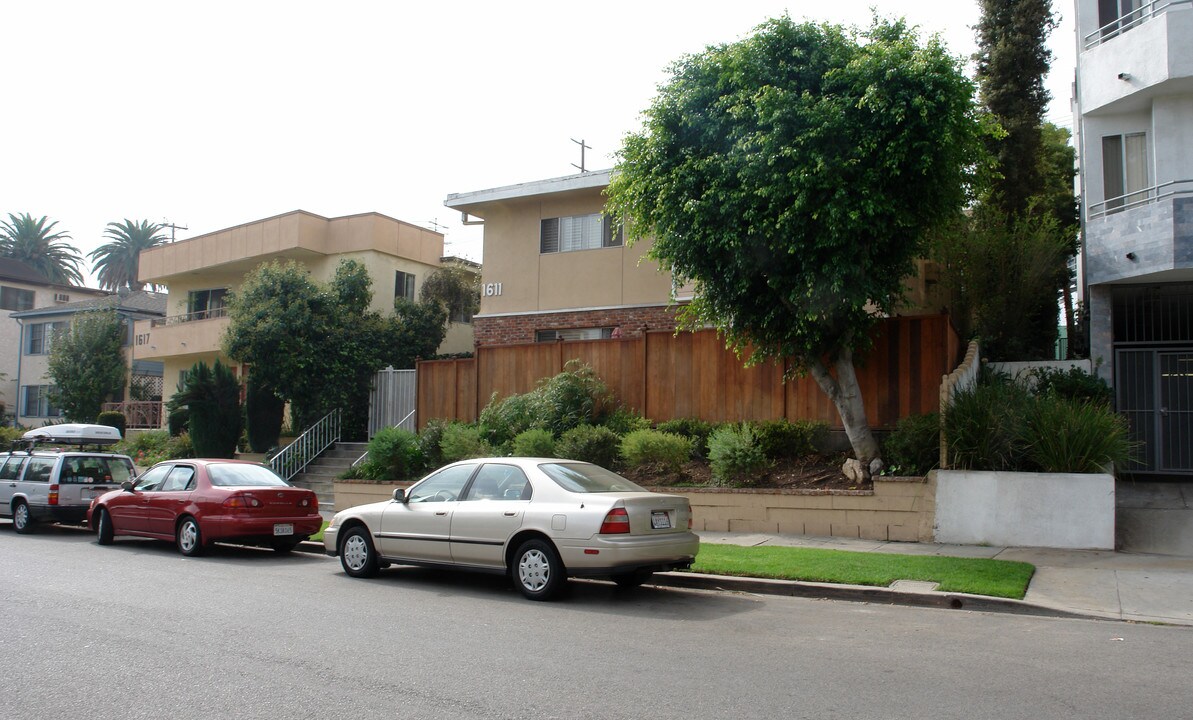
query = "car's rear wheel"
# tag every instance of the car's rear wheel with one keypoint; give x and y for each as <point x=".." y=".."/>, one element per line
<point x="104" y="533"/>
<point x="537" y="570"/>
<point x="357" y="554"/>
<point x="632" y="579"/>
<point x="21" y="521"/>
<point x="189" y="538"/>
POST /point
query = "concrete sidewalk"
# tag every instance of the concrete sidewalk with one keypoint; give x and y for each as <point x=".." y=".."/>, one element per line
<point x="1087" y="583"/>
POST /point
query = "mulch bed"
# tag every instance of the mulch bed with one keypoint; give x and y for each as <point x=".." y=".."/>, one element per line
<point x="814" y="472"/>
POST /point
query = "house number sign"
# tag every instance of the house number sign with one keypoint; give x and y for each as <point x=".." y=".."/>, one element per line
<point x="492" y="289"/>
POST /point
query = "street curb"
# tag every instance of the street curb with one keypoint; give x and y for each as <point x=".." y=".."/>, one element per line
<point x="859" y="593"/>
<point x="829" y="591"/>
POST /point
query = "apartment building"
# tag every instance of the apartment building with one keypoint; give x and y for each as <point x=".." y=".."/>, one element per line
<point x="37" y="330"/>
<point x="1134" y="129"/>
<point x="23" y="288"/>
<point x="200" y="272"/>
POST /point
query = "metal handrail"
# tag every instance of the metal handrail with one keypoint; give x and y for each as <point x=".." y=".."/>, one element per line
<point x="1149" y="195"/>
<point x="1136" y="17"/>
<point x="295" y="457"/>
<point x="213" y="313"/>
<point x="362" y="458"/>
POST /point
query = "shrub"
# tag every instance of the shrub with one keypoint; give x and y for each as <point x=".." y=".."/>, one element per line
<point x="111" y="418"/>
<point x="1063" y="435"/>
<point x="263" y="412"/>
<point x="784" y="439"/>
<point x="692" y="428"/>
<point x="1072" y="384"/>
<point x="461" y="442"/>
<point x="590" y="443"/>
<point x="652" y="446"/>
<point x="152" y="446"/>
<point x="212" y="399"/>
<point x="535" y="442"/>
<point x="430" y="438"/>
<point x="735" y="455"/>
<point x="624" y="421"/>
<point x="913" y="447"/>
<point x="395" y="454"/>
<point x="9" y="435"/>
<point x="574" y="397"/>
<point x="982" y="425"/>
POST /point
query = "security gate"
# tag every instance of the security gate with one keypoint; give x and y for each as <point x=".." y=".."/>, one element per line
<point x="1154" y="389"/>
<point x="393" y="400"/>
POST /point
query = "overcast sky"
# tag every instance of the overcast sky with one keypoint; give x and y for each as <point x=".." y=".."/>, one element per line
<point x="213" y="114"/>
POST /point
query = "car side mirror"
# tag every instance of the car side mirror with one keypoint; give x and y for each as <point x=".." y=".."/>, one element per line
<point x="400" y="495"/>
<point x="126" y="486"/>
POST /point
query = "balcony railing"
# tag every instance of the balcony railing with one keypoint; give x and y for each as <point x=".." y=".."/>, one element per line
<point x="190" y="317"/>
<point x="1137" y="198"/>
<point x="138" y="414"/>
<point x="1135" y="18"/>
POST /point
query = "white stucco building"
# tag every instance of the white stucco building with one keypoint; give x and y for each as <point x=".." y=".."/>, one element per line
<point x="1134" y="129"/>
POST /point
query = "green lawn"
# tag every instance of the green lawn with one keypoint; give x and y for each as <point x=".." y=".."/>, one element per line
<point x="998" y="578"/>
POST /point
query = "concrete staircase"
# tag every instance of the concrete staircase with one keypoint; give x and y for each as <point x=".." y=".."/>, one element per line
<point x="323" y="471"/>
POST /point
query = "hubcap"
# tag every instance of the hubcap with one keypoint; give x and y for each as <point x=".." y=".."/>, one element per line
<point x="21" y="518"/>
<point x="188" y="536"/>
<point x="534" y="571"/>
<point x="356" y="552"/>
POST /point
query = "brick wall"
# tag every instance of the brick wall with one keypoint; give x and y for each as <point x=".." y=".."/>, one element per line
<point x="513" y="329"/>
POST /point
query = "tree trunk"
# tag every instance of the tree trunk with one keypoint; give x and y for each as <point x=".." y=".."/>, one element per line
<point x="843" y="390"/>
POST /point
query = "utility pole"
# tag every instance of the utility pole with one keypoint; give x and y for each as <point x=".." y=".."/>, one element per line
<point x="436" y="225"/>
<point x="583" y="147"/>
<point x="173" y="227"/>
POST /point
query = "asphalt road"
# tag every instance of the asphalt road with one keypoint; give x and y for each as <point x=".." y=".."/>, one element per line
<point x="137" y="631"/>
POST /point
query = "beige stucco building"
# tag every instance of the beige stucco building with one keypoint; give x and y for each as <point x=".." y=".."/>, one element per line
<point x="201" y="271"/>
<point x="556" y="267"/>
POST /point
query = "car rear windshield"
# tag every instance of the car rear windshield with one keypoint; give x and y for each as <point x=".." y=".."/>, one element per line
<point x="585" y="478"/>
<point x="87" y="470"/>
<point x="230" y="475"/>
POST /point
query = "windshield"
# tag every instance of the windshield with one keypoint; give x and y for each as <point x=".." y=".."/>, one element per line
<point x="585" y="478"/>
<point x="236" y="475"/>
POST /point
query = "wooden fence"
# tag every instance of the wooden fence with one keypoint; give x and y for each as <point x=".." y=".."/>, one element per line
<point x="665" y="376"/>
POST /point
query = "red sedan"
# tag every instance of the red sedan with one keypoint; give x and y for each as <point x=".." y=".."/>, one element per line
<point x="198" y="502"/>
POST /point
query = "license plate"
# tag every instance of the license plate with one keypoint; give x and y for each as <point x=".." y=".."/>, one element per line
<point x="283" y="529"/>
<point x="660" y="520"/>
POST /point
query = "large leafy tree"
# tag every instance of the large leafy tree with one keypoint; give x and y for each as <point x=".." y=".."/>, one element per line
<point x="86" y="364"/>
<point x="318" y="346"/>
<point x="116" y="262"/>
<point x="792" y="175"/>
<point x="455" y="287"/>
<point x="36" y="243"/>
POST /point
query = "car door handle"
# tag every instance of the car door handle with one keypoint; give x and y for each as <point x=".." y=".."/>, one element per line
<point x="440" y="512"/>
<point x="510" y="514"/>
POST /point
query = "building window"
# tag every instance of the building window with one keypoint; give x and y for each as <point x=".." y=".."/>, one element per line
<point x="15" y="298"/>
<point x="1116" y="16"/>
<point x="36" y="402"/>
<point x="1124" y="169"/>
<point x="41" y="337"/>
<point x="597" y="333"/>
<point x="205" y="304"/>
<point x="578" y="232"/>
<point x="404" y="285"/>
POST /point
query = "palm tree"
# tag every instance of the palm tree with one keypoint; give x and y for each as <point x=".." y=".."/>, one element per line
<point x="34" y="243"/>
<point x="116" y="263"/>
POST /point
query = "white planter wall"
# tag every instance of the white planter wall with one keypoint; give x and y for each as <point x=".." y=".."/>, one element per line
<point x="1054" y="510"/>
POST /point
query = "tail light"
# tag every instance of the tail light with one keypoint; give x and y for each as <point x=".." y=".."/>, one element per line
<point x="616" y="521"/>
<point x="53" y="494"/>
<point x="242" y="501"/>
<point x="312" y="503"/>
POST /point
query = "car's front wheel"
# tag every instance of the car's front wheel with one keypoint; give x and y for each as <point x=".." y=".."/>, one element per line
<point x="189" y="538"/>
<point x="104" y="533"/>
<point x="357" y="554"/>
<point x="537" y="570"/>
<point x="21" y="520"/>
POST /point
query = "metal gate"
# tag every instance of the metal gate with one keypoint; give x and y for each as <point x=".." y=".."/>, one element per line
<point x="393" y="400"/>
<point x="1154" y="389"/>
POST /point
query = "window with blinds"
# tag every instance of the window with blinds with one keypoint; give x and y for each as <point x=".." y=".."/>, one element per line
<point x="578" y="232"/>
<point x="1124" y="169"/>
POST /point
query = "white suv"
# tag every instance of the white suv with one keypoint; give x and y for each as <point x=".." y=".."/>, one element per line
<point x="57" y="485"/>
